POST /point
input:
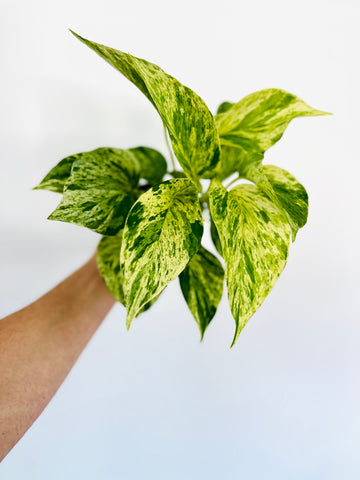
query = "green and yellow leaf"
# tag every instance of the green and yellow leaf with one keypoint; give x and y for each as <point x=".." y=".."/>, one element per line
<point x="259" y="120"/>
<point x="108" y="261"/>
<point x="251" y="126"/>
<point x="152" y="164"/>
<point x="55" y="180"/>
<point x="285" y="191"/>
<point x="215" y="236"/>
<point x="202" y="285"/>
<point x="189" y="122"/>
<point x="237" y="159"/>
<point x="162" y="232"/>
<point x="100" y="190"/>
<point x="255" y="238"/>
<point x="224" y="107"/>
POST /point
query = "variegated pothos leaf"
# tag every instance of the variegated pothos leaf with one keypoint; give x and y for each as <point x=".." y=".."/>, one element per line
<point x="215" y="236"/>
<point x="100" y="190"/>
<point x="162" y="232"/>
<point x="259" y="120"/>
<point x="255" y="238"/>
<point x="285" y="191"/>
<point x="188" y="120"/>
<point x="108" y="261"/>
<point x="237" y="159"/>
<point x="55" y="180"/>
<point x="202" y="285"/>
<point x="152" y="164"/>
<point x="251" y="126"/>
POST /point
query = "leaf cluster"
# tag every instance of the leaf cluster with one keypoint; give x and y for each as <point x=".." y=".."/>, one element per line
<point x="151" y="216"/>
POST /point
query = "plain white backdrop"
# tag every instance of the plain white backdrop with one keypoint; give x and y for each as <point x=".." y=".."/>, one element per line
<point x="154" y="403"/>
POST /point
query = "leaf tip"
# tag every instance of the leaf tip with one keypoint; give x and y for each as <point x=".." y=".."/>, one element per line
<point x="79" y="37"/>
<point x="238" y="330"/>
<point x="129" y="319"/>
<point x="53" y="215"/>
<point x="321" y="113"/>
<point x="74" y="33"/>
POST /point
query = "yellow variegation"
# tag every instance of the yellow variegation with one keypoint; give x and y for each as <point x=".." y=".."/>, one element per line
<point x="162" y="232"/>
<point x="153" y="230"/>
<point x="215" y="236"/>
<point x="285" y="191"/>
<point x="55" y="180"/>
<point x="258" y="121"/>
<point x="251" y="126"/>
<point x="291" y="195"/>
<point x="202" y="285"/>
<point x="100" y="190"/>
<point x="152" y="164"/>
<point x="188" y="120"/>
<point x="237" y="159"/>
<point x="255" y="238"/>
<point x="108" y="261"/>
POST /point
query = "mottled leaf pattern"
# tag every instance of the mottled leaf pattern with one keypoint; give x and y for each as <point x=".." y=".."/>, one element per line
<point x="237" y="159"/>
<point x="56" y="178"/>
<point x="99" y="192"/>
<point x="215" y="236"/>
<point x="152" y="164"/>
<point x="153" y="237"/>
<point x="108" y="261"/>
<point x="290" y="193"/>
<point x="255" y="238"/>
<point x="202" y="285"/>
<point x="285" y="191"/>
<point x="162" y="232"/>
<point x="188" y="120"/>
<point x="259" y="120"/>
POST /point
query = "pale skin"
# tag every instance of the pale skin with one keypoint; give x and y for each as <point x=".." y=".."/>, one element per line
<point x="40" y="344"/>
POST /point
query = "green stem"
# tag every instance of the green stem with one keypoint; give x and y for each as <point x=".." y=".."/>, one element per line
<point x="169" y="148"/>
<point x="204" y="197"/>
<point x="232" y="181"/>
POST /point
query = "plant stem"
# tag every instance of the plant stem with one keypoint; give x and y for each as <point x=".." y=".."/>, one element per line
<point x="232" y="181"/>
<point x="169" y="148"/>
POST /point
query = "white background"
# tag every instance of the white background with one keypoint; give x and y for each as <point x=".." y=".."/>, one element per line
<point x="154" y="403"/>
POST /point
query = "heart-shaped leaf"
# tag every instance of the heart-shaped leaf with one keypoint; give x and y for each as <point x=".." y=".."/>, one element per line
<point x="188" y="120"/>
<point x="259" y="120"/>
<point x="254" y="124"/>
<point x="162" y="232"/>
<point x="255" y="238"/>
<point x="55" y="180"/>
<point x="202" y="285"/>
<point x="100" y="190"/>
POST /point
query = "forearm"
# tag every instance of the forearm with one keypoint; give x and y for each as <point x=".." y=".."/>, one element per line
<point x="40" y="344"/>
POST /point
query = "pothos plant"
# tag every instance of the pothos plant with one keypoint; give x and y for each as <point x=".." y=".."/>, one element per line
<point x="151" y="218"/>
